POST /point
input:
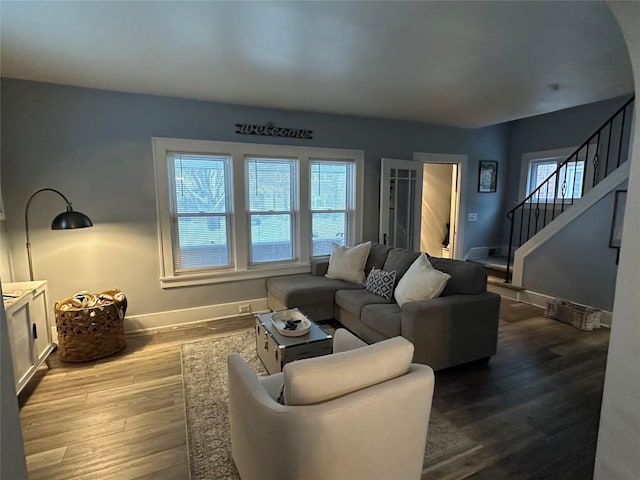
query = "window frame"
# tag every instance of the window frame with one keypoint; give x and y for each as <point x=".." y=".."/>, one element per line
<point x="240" y="230"/>
<point x="559" y="156"/>
<point x="175" y="215"/>
<point x="349" y="211"/>
<point x="293" y="212"/>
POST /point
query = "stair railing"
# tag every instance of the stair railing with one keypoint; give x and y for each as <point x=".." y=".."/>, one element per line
<point x="605" y="151"/>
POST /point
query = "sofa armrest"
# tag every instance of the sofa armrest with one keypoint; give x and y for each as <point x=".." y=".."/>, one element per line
<point x="451" y="330"/>
<point x="319" y="267"/>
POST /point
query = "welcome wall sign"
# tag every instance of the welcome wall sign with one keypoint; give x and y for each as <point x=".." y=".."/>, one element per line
<point x="270" y="129"/>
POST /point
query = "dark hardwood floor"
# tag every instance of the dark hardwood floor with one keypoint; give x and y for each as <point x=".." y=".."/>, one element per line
<point x="534" y="407"/>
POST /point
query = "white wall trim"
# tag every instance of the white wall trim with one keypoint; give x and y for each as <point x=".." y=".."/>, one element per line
<point x="175" y="318"/>
<point x="576" y="210"/>
<point x="540" y="300"/>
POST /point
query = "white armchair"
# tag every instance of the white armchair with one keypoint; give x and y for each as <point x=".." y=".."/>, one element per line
<point x="361" y="413"/>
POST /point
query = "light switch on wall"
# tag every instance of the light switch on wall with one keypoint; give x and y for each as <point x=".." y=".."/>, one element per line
<point x="472" y="217"/>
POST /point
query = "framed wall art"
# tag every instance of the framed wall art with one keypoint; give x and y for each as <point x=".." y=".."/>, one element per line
<point x="487" y="176"/>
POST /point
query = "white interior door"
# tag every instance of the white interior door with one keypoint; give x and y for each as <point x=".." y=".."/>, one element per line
<point x="400" y="199"/>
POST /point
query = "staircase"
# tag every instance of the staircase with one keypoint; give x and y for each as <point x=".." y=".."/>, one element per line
<point x="596" y="159"/>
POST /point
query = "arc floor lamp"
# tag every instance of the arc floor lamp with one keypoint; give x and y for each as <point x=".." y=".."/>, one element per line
<point x="63" y="221"/>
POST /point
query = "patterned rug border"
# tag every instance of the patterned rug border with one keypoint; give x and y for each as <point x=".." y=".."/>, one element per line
<point x="204" y="384"/>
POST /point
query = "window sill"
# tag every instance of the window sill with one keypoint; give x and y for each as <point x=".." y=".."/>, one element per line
<point x="232" y="276"/>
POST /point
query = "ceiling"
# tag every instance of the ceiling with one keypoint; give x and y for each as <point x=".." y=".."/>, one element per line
<point x="465" y="64"/>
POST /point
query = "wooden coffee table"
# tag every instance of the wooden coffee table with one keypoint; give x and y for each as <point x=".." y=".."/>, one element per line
<point x="275" y="350"/>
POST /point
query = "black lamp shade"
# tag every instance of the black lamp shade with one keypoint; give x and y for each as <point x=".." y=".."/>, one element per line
<point x="70" y="219"/>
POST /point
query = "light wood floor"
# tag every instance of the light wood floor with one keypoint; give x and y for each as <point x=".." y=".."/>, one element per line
<point x="534" y="407"/>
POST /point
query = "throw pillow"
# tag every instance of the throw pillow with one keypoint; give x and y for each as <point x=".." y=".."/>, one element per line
<point x="347" y="263"/>
<point x="421" y="282"/>
<point x="381" y="283"/>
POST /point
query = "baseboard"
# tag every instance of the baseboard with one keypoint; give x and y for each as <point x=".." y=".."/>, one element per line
<point x="541" y="300"/>
<point x="187" y="316"/>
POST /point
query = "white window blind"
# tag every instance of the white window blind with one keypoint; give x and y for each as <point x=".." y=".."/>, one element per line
<point x="230" y="211"/>
<point x="271" y="190"/>
<point x="200" y="210"/>
<point x="332" y="199"/>
<point x="566" y="184"/>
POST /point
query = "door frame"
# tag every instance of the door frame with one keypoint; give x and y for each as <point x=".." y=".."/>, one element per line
<point x="461" y="161"/>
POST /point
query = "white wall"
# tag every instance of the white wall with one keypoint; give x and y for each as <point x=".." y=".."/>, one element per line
<point x="618" y="451"/>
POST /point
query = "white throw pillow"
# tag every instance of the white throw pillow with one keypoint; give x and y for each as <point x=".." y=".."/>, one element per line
<point x="347" y="263"/>
<point x="421" y="282"/>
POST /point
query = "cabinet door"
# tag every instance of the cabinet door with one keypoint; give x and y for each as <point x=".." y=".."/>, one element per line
<point x="41" y="333"/>
<point x="20" y="341"/>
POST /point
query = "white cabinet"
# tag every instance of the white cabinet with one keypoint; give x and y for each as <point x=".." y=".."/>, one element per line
<point x="26" y="305"/>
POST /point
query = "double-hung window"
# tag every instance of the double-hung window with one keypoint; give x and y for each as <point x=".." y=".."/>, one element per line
<point x="271" y="185"/>
<point x="231" y="211"/>
<point x="200" y="211"/>
<point x="332" y="209"/>
<point x="564" y="183"/>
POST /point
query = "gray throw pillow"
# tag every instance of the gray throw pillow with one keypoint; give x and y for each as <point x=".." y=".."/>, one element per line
<point x="381" y="283"/>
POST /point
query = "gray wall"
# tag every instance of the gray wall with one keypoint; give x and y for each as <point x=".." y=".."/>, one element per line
<point x="577" y="263"/>
<point x="95" y="146"/>
<point x="562" y="129"/>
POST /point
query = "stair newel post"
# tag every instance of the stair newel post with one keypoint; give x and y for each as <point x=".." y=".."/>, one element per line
<point x="510" y="216"/>
<point x="521" y="207"/>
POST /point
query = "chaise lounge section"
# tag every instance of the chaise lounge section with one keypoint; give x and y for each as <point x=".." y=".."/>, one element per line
<point x="458" y="326"/>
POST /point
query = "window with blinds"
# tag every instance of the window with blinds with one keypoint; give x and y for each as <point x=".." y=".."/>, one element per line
<point x="271" y="185"/>
<point x="231" y="211"/>
<point x="567" y="183"/>
<point x="201" y="211"/>
<point x="331" y="197"/>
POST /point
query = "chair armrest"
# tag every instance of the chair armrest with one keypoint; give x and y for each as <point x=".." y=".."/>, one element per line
<point x="450" y="330"/>
<point x="344" y="340"/>
<point x="245" y="383"/>
<point x="319" y="267"/>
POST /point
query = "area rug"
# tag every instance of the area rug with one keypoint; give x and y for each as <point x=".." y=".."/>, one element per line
<point x="204" y="377"/>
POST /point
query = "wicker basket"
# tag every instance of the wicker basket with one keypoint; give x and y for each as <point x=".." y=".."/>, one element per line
<point x="579" y="316"/>
<point x="89" y="333"/>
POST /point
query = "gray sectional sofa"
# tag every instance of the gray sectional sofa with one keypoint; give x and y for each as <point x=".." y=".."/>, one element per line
<point x="459" y="326"/>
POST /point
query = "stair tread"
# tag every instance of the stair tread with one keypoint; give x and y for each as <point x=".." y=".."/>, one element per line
<point x="500" y="282"/>
<point x="495" y="263"/>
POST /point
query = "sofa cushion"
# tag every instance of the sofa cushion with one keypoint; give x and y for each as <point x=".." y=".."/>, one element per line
<point x="421" y="282"/>
<point x="306" y="289"/>
<point x="384" y="319"/>
<point x="347" y="263"/>
<point x="353" y="300"/>
<point x="377" y="256"/>
<point x="399" y="260"/>
<point x="316" y="380"/>
<point x="467" y="278"/>
<point x="381" y="283"/>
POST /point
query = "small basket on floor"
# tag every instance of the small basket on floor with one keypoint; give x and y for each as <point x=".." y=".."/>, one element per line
<point x="579" y="316"/>
<point x="90" y="326"/>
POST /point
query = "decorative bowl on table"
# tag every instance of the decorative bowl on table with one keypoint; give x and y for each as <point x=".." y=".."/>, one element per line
<point x="290" y="323"/>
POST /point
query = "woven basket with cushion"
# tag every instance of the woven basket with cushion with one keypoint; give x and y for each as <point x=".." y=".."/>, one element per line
<point x="90" y="326"/>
